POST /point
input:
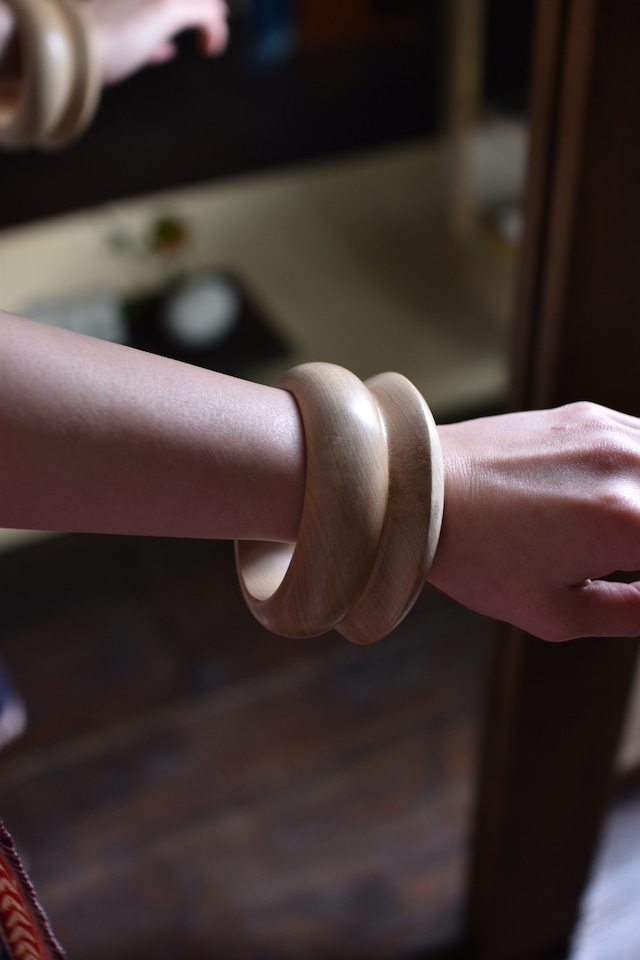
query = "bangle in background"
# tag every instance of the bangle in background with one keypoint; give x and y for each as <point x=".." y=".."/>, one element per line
<point x="87" y="83"/>
<point x="55" y="92"/>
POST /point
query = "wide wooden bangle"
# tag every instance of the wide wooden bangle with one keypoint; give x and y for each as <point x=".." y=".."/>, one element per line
<point x="305" y="589"/>
<point x="414" y="512"/>
<point x="86" y="86"/>
<point x="34" y="104"/>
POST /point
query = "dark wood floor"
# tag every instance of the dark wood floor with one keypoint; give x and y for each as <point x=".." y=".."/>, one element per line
<point x="191" y="787"/>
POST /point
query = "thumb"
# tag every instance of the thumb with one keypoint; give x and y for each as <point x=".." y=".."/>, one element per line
<point x="604" y="608"/>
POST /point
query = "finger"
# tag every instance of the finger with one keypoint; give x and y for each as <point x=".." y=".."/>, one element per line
<point x="209" y="17"/>
<point x="214" y="35"/>
<point x="602" y="608"/>
<point x="163" y="52"/>
<point x="213" y="41"/>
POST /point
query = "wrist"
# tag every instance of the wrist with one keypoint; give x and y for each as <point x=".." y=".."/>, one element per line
<point x="458" y="486"/>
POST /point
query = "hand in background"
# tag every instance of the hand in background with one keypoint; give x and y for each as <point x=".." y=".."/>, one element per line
<point x="538" y="507"/>
<point x="133" y="33"/>
<point x="6" y="32"/>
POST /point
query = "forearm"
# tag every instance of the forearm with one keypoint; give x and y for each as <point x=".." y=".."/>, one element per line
<point x="541" y="508"/>
<point x="95" y="437"/>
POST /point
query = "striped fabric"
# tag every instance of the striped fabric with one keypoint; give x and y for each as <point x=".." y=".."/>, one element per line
<point x="25" y="933"/>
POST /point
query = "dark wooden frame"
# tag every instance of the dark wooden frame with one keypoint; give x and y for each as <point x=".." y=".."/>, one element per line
<point x="555" y="712"/>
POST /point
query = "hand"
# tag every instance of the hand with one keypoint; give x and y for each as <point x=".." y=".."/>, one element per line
<point x="6" y="33"/>
<point x="539" y="507"/>
<point x="134" y="33"/>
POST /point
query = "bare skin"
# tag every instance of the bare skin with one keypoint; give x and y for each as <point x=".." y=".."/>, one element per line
<point x="131" y="34"/>
<point x="6" y="34"/>
<point x="539" y="507"/>
<point x="97" y="437"/>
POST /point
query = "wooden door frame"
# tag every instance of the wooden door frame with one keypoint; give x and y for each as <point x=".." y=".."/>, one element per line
<point x="555" y="712"/>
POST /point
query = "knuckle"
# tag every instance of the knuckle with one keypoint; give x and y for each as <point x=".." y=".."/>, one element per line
<point x="610" y="449"/>
<point x="614" y="455"/>
<point x="618" y="501"/>
<point x="586" y="410"/>
<point x="598" y="439"/>
<point x="585" y="414"/>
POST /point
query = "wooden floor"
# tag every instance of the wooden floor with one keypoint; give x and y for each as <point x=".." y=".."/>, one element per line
<point x="192" y="787"/>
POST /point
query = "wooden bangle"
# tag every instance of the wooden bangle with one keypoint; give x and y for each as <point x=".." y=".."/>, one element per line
<point x="87" y="81"/>
<point x="34" y="104"/>
<point x="414" y="512"/>
<point x="305" y="589"/>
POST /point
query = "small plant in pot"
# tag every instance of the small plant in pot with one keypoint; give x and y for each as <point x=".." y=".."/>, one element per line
<point x="186" y="312"/>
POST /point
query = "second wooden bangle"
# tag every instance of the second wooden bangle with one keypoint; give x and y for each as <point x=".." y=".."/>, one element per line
<point x="414" y="511"/>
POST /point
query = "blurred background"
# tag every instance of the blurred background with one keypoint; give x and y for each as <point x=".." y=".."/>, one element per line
<point x="345" y="183"/>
